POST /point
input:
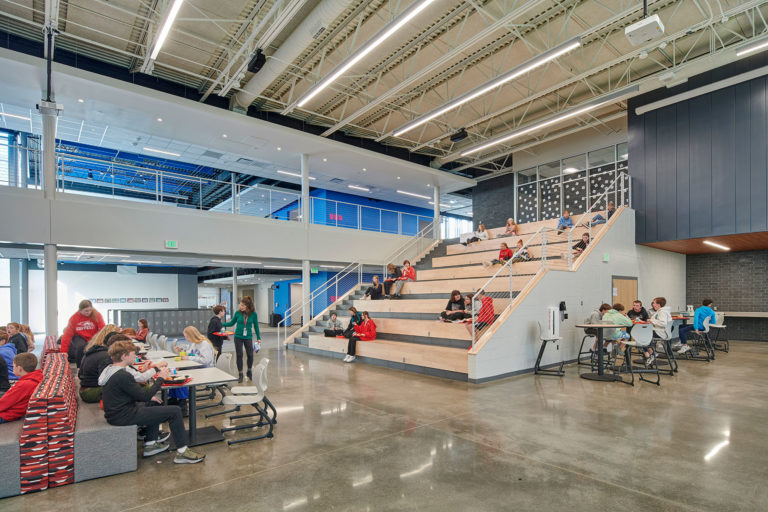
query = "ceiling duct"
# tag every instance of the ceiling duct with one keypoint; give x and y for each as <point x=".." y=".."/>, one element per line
<point x="324" y="14"/>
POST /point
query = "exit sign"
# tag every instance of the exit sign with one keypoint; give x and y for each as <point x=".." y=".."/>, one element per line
<point x="171" y="244"/>
<point x="314" y="270"/>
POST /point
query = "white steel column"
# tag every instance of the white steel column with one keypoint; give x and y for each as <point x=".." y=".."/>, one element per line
<point x="305" y="289"/>
<point x="235" y="300"/>
<point x="49" y="111"/>
<point x="305" y="189"/>
<point x="51" y="291"/>
<point x="436" y="210"/>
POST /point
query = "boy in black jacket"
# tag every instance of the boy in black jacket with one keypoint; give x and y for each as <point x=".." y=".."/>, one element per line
<point x="122" y="398"/>
<point x="215" y="326"/>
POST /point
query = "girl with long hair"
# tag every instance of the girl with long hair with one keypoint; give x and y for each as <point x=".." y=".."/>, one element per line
<point x="246" y="322"/>
<point x="82" y="326"/>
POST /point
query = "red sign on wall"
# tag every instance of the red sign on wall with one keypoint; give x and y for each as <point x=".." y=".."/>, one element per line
<point x="335" y="216"/>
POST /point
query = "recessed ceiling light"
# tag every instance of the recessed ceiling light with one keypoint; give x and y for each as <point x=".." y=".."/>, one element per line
<point x="570" y="170"/>
<point x="279" y="148"/>
<point x="161" y="151"/>
<point x="80" y="100"/>
<point x="429" y="185"/>
<point x="288" y="173"/>
<point x="262" y="195"/>
<point x="23" y="118"/>
<point x="364" y="169"/>
<point x="412" y="194"/>
<point x="224" y="135"/>
<point x="713" y="244"/>
<point x="325" y="159"/>
<point x="159" y="119"/>
<point x="355" y="187"/>
<point x="398" y="177"/>
<point x="453" y="202"/>
<point x="282" y="266"/>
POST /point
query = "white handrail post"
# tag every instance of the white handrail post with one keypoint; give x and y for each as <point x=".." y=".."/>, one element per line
<point x="474" y="330"/>
<point x="570" y="251"/>
<point x="544" y="249"/>
<point x="200" y="180"/>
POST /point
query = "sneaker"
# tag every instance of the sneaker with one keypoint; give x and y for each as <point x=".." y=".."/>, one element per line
<point x="154" y="449"/>
<point x="346" y="358"/>
<point x="684" y="349"/>
<point x="676" y="346"/>
<point x="650" y="360"/>
<point x="443" y="319"/>
<point x="351" y="358"/>
<point x="188" y="457"/>
<point x="162" y="436"/>
<point x="660" y="346"/>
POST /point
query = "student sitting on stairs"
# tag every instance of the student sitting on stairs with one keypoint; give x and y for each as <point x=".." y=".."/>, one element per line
<point x="375" y="291"/>
<point x="504" y="254"/>
<point x="408" y="272"/>
<point x="334" y="327"/>
<point x="366" y="331"/>
<point x="455" y="309"/>
<point x="521" y="253"/>
<point x="511" y="229"/>
<point x="477" y="236"/>
<point x="355" y="319"/>
<point x="394" y="275"/>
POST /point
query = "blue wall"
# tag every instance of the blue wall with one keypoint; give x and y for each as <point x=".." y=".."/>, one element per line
<point x="700" y="167"/>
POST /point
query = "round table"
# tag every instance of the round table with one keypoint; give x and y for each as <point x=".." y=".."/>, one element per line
<point x="600" y="375"/>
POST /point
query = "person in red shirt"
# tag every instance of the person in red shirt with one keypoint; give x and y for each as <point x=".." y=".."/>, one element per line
<point x="141" y="335"/>
<point x="504" y="254"/>
<point x="407" y="272"/>
<point x="82" y="326"/>
<point x="13" y="404"/>
<point x="366" y="331"/>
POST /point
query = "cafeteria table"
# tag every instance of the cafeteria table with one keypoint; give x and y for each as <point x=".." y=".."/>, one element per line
<point x="600" y="375"/>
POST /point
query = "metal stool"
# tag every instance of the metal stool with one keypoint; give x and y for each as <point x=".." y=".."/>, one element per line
<point x="589" y="352"/>
<point x="544" y="340"/>
<point x="720" y="340"/>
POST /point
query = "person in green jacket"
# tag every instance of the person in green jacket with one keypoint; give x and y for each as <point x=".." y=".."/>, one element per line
<point x="245" y="322"/>
<point x="616" y="316"/>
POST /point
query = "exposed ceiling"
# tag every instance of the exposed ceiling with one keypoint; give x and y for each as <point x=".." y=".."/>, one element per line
<point x="735" y="243"/>
<point x="448" y="49"/>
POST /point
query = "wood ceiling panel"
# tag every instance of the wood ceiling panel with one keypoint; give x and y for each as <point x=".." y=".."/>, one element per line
<point x="736" y="243"/>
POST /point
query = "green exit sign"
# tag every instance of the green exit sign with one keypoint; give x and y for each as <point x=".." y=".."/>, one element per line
<point x="171" y="244"/>
<point x="314" y="270"/>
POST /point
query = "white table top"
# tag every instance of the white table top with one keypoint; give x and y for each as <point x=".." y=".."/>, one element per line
<point x="172" y="363"/>
<point x="159" y="354"/>
<point x="745" y="314"/>
<point x="599" y="326"/>
<point x="206" y="376"/>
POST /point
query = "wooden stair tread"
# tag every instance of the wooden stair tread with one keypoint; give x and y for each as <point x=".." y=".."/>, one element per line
<point x="406" y="305"/>
<point x="430" y="356"/>
<point x="475" y="270"/>
<point x="464" y="285"/>
<point x="494" y="243"/>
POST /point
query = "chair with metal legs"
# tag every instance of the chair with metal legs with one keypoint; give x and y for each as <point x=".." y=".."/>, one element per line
<point x="240" y="397"/>
<point x="587" y="352"/>
<point x="544" y="340"/>
<point x="151" y="339"/>
<point x="642" y="335"/>
<point x="699" y="340"/>
<point x="720" y="336"/>
<point x="224" y="364"/>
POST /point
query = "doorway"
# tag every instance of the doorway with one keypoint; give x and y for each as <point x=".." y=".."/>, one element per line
<point x="624" y="290"/>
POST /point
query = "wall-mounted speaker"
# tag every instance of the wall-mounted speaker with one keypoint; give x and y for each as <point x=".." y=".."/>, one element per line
<point x="257" y="61"/>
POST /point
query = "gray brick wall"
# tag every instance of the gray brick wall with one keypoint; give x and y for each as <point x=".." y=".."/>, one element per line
<point x="493" y="201"/>
<point x="735" y="282"/>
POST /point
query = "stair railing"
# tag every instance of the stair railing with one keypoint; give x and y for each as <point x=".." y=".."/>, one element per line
<point x="489" y="290"/>
<point x="347" y="279"/>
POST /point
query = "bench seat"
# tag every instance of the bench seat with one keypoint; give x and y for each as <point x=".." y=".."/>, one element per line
<point x="10" y="462"/>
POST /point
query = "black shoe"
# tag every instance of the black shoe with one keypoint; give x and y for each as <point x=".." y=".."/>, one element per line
<point x="162" y="436"/>
<point x="240" y="378"/>
<point x="250" y="375"/>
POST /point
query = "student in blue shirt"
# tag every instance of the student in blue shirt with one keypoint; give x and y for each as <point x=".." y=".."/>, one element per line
<point x="702" y="313"/>
<point x="564" y="222"/>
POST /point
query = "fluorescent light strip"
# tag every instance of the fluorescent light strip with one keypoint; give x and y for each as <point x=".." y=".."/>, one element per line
<point x="235" y="261"/>
<point x="367" y="48"/>
<point x="170" y="153"/>
<point x="570" y="170"/>
<point x="23" y="118"/>
<point x="148" y="262"/>
<point x="355" y="187"/>
<point x="283" y="267"/>
<point x="713" y="244"/>
<point x="166" y="28"/>
<point x="746" y="51"/>
<point x="332" y="266"/>
<point x="527" y="67"/>
<point x="556" y="119"/>
<point x="295" y="174"/>
<point x="412" y="194"/>
<point x="441" y="204"/>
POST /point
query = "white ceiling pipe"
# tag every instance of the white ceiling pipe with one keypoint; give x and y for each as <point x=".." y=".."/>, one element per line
<point x="324" y="14"/>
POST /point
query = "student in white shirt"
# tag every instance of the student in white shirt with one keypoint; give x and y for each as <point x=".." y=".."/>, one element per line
<point x="201" y="349"/>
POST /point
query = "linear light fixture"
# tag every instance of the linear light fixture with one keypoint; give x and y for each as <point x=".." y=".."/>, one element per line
<point x="570" y="170"/>
<point x="357" y="187"/>
<point x="23" y="118"/>
<point x="295" y="174"/>
<point x="282" y="267"/>
<point x="146" y="262"/>
<point x="364" y="50"/>
<point x="713" y="244"/>
<point x="332" y="266"/>
<point x="236" y="261"/>
<point x="573" y="112"/>
<point x="752" y="49"/>
<point x="517" y="72"/>
<point x="169" y="153"/>
<point x="441" y="204"/>
<point x="413" y="194"/>
<point x="172" y="13"/>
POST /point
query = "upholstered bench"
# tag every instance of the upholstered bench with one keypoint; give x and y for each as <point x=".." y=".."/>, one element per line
<point x="101" y="449"/>
<point x="10" y="474"/>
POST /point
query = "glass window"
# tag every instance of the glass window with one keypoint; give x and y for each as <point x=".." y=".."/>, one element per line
<point x="4" y="176"/>
<point x="5" y="305"/>
<point x="622" y="152"/>
<point x="574" y="164"/>
<point x="604" y="159"/>
<point x="526" y="176"/>
<point x="5" y="272"/>
<point x="549" y="170"/>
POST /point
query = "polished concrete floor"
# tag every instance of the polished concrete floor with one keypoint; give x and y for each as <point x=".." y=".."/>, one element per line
<point x="357" y="437"/>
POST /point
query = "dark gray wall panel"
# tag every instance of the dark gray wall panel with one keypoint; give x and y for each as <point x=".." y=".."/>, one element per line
<point x="682" y="160"/>
<point x="650" y="174"/>
<point x="666" y="183"/>
<point x="741" y="166"/>
<point x="723" y="115"/>
<point x="635" y="144"/>
<point x="493" y="201"/>
<point x="758" y="208"/>
<point x="701" y="166"/>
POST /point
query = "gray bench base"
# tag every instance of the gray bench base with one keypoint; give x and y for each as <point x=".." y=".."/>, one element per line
<point x="102" y="449"/>
<point x="10" y="472"/>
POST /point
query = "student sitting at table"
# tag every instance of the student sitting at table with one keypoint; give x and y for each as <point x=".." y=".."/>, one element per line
<point x="596" y="317"/>
<point x="455" y="309"/>
<point x="94" y="361"/>
<point x="13" y="404"/>
<point x="366" y="331"/>
<point x="5" y="384"/>
<point x="521" y="253"/>
<point x="30" y="337"/>
<point x="511" y="229"/>
<point x="141" y="334"/>
<point x="599" y="219"/>
<point x="125" y="404"/>
<point x="505" y="253"/>
<point x="375" y="291"/>
<point x="616" y="316"/>
<point x="7" y="353"/>
<point x="638" y="312"/>
<point x="702" y="313"/>
<point x="408" y="272"/>
<point x="393" y="274"/>
<point x="564" y="222"/>
<point x="82" y="326"/>
<point x="201" y="349"/>
<point x="214" y="326"/>
<point x="660" y="317"/>
<point x="334" y="327"/>
<point x="581" y="245"/>
<point x="16" y="337"/>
